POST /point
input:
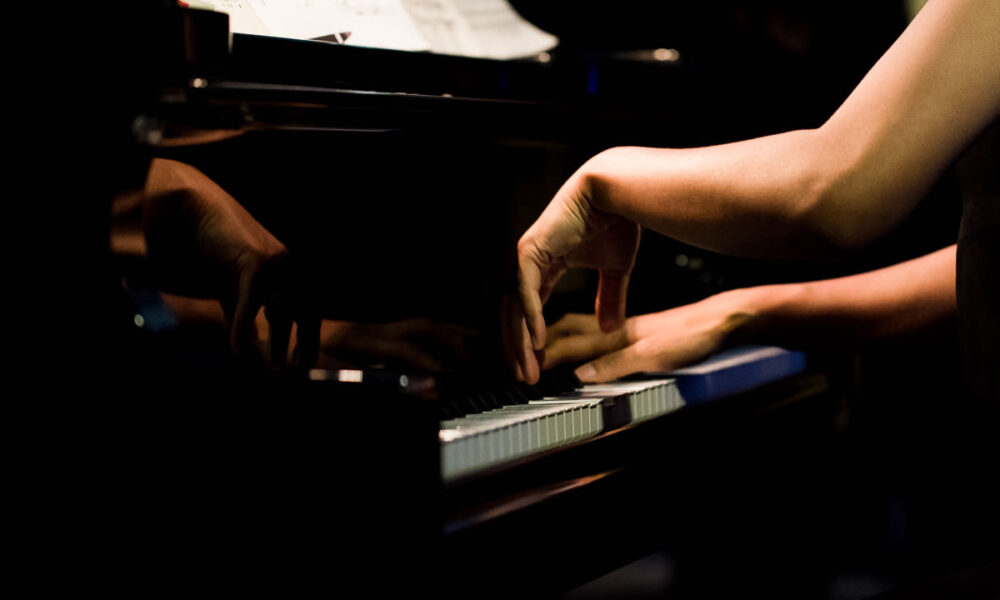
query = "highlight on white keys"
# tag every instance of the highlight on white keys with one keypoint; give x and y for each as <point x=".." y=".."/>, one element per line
<point x="485" y="439"/>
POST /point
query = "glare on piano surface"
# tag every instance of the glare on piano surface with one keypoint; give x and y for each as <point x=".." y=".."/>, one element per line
<point x="350" y="375"/>
<point x="666" y="54"/>
<point x="342" y="375"/>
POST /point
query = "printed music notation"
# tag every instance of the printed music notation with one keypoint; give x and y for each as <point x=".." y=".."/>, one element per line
<point x="479" y="28"/>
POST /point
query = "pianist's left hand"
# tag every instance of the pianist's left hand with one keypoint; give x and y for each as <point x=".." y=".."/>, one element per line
<point x="572" y="232"/>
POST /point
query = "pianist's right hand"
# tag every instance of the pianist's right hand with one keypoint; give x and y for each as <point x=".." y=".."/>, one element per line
<point x="203" y="243"/>
<point x="570" y="233"/>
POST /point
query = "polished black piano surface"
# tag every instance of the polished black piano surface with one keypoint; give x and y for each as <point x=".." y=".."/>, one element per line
<point x="402" y="181"/>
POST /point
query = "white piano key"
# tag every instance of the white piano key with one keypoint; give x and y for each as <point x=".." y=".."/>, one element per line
<point x="480" y="440"/>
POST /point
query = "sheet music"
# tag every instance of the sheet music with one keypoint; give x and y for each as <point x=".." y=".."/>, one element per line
<point x="480" y="28"/>
<point x="381" y="24"/>
<point x="500" y="32"/>
<point x="442" y="26"/>
<point x="302" y="19"/>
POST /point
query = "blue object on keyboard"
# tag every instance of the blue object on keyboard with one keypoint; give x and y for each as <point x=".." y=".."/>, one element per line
<point x="736" y="370"/>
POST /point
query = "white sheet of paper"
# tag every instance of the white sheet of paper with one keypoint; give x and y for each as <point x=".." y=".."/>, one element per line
<point x="501" y="32"/>
<point x="381" y="24"/>
<point x="480" y="28"/>
<point x="303" y="19"/>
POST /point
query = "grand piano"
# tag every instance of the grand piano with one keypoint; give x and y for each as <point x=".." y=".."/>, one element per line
<point x="332" y="480"/>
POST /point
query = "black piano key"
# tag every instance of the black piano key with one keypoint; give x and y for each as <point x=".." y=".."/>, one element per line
<point x="491" y="399"/>
<point x="462" y="396"/>
<point x="476" y="403"/>
<point x="516" y="395"/>
<point x="529" y="392"/>
<point x="448" y="409"/>
<point x="501" y="395"/>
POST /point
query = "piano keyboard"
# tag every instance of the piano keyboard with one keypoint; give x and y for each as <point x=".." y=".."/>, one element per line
<point x="485" y="430"/>
<point x="525" y="426"/>
<point x="489" y="427"/>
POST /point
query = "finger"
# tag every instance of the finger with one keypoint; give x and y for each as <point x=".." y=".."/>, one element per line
<point x="529" y="358"/>
<point x="545" y="291"/>
<point x="572" y="324"/>
<point x="522" y="349"/>
<point x="529" y="284"/>
<point x="610" y="305"/>
<point x="579" y="348"/>
<point x="612" y="366"/>
<point x="307" y="339"/>
<point x="511" y="359"/>
<point x="242" y="330"/>
<point x="514" y="337"/>
<point x="279" y="319"/>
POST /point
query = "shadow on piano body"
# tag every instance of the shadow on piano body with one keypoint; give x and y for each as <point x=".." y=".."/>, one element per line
<point x="242" y="481"/>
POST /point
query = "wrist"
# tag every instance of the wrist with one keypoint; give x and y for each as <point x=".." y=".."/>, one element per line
<point x="596" y="177"/>
<point x="753" y="315"/>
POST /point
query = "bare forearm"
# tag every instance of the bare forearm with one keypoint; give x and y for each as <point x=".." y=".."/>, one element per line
<point x="841" y="185"/>
<point x="896" y="300"/>
<point x="745" y="198"/>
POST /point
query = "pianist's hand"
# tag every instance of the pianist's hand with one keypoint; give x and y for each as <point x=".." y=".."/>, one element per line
<point x="203" y="243"/>
<point x="570" y="233"/>
<point x="660" y="341"/>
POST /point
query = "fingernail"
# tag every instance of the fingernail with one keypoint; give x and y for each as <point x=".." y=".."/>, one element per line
<point x="586" y="372"/>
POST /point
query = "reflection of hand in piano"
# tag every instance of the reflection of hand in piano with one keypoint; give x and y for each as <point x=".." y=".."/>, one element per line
<point x="409" y="344"/>
<point x="205" y="244"/>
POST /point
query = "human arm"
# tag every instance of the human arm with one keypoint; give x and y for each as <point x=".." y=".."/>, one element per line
<point x="840" y="185"/>
<point x="892" y="301"/>
<point x="801" y="192"/>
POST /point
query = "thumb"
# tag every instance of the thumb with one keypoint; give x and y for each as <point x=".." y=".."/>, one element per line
<point x="280" y="322"/>
<point x="611" y="366"/>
